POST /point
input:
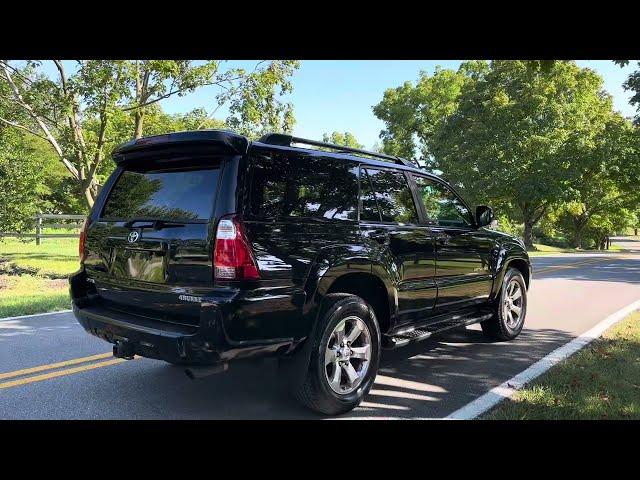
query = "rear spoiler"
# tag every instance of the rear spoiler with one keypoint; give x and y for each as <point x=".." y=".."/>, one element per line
<point x="202" y="141"/>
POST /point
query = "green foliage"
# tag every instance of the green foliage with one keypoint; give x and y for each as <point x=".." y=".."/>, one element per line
<point x="603" y="190"/>
<point x="254" y="105"/>
<point x="412" y="113"/>
<point x="84" y="113"/>
<point x="632" y="84"/>
<point x="21" y="181"/>
<point x="523" y="136"/>
<point x="346" y="139"/>
<point x="509" y="140"/>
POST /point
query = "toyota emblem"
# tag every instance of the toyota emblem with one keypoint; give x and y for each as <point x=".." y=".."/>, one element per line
<point x="133" y="237"/>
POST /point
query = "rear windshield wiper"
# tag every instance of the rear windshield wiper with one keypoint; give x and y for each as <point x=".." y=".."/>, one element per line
<point x="154" y="224"/>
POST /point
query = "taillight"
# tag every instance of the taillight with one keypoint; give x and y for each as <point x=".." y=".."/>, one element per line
<point x="232" y="255"/>
<point x="83" y="238"/>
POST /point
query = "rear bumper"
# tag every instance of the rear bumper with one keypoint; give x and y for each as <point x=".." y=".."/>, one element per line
<point x="206" y="344"/>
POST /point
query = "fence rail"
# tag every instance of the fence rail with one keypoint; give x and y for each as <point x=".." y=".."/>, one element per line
<point x="39" y="225"/>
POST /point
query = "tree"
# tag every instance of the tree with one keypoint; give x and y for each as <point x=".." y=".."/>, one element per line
<point x="632" y="84"/>
<point x="254" y="105"/>
<point x="76" y="112"/>
<point x="513" y="138"/>
<point x="21" y="181"/>
<point x="604" y="185"/>
<point x="412" y="113"/>
<point x="346" y="139"/>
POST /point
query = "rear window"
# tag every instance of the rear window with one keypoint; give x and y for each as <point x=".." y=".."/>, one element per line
<point x="177" y="194"/>
<point x="312" y="187"/>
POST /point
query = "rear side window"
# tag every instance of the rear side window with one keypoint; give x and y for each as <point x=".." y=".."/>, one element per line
<point x="393" y="196"/>
<point x="311" y="187"/>
<point x="177" y="194"/>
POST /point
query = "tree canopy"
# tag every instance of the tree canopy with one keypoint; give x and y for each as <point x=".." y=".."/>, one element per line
<point x="518" y="134"/>
<point x="80" y="112"/>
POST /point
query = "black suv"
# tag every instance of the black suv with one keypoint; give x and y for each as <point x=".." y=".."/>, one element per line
<point x="205" y="247"/>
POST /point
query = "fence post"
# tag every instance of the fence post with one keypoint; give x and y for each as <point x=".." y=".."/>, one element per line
<point x="38" y="228"/>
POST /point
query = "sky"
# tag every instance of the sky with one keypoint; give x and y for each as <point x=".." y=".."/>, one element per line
<point x="338" y="95"/>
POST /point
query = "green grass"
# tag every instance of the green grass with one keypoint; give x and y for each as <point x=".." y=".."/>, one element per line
<point x="26" y="294"/>
<point x="541" y="249"/>
<point x="601" y="381"/>
<point x="53" y="257"/>
<point x="33" y="277"/>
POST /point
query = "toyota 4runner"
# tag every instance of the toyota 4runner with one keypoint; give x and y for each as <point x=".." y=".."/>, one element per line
<point x="205" y="248"/>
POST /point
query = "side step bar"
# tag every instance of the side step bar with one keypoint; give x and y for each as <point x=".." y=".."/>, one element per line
<point x="417" y="334"/>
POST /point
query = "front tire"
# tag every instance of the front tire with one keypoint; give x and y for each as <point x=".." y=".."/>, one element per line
<point x="510" y="308"/>
<point x="345" y="356"/>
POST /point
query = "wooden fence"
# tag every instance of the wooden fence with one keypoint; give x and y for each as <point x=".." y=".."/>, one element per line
<point x="40" y="224"/>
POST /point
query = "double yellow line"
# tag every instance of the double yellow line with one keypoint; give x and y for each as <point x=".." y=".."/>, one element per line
<point x="52" y="371"/>
<point x="571" y="265"/>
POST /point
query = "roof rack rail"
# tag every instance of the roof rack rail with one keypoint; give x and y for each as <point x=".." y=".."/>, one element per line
<point x="286" y="141"/>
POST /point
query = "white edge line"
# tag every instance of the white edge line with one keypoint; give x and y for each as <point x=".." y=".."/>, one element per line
<point x="34" y="315"/>
<point x="506" y="390"/>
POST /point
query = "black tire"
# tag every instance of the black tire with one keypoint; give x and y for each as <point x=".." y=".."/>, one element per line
<point x="498" y="327"/>
<point x="315" y="392"/>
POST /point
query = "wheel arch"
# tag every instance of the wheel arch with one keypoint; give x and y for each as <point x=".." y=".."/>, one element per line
<point x="510" y="257"/>
<point x="371" y="289"/>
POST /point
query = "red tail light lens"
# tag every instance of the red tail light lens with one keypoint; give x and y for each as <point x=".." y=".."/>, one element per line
<point x="232" y="257"/>
<point x="83" y="238"/>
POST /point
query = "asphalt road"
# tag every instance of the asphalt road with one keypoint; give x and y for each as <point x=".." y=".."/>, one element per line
<point x="569" y="294"/>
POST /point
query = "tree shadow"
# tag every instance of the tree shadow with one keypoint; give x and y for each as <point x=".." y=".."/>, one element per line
<point x="610" y="270"/>
<point x="427" y="379"/>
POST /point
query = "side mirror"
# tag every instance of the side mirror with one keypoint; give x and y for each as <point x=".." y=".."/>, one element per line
<point x="484" y="215"/>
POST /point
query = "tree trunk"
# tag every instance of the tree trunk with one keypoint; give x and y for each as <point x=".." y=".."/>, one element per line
<point x="139" y="118"/>
<point x="636" y="231"/>
<point x="89" y="190"/>
<point x="577" y="242"/>
<point x="528" y="234"/>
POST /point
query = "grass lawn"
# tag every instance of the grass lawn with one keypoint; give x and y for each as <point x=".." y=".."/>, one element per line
<point x="602" y="381"/>
<point x="547" y="249"/>
<point x="33" y="277"/>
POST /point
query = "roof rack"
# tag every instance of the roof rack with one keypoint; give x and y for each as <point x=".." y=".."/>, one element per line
<point x="286" y="141"/>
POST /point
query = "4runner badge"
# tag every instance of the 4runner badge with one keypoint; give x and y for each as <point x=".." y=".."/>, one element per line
<point x="189" y="298"/>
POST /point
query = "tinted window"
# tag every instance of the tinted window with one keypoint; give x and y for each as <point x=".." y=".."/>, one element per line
<point x="185" y="194"/>
<point x="393" y="196"/>
<point x="284" y="186"/>
<point x="441" y="205"/>
<point x="368" y="208"/>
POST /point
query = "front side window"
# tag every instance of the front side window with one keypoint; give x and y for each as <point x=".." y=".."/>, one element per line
<point x="368" y="207"/>
<point x="441" y="205"/>
<point x="393" y="196"/>
<point x="315" y="187"/>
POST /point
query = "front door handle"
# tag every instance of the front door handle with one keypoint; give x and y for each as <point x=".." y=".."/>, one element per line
<point x="380" y="236"/>
<point x="443" y="239"/>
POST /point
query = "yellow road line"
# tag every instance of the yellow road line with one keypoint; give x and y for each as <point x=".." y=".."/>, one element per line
<point x="570" y="265"/>
<point x="51" y="366"/>
<point x="60" y="373"/>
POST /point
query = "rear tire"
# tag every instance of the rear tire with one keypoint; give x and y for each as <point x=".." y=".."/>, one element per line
<point x="344" y="358"/>
<point x="510" y="308"/>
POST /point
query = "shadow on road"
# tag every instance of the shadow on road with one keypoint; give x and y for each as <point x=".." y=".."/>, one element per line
<point x="620" y="270"/>
<point x="412" y="381"/>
